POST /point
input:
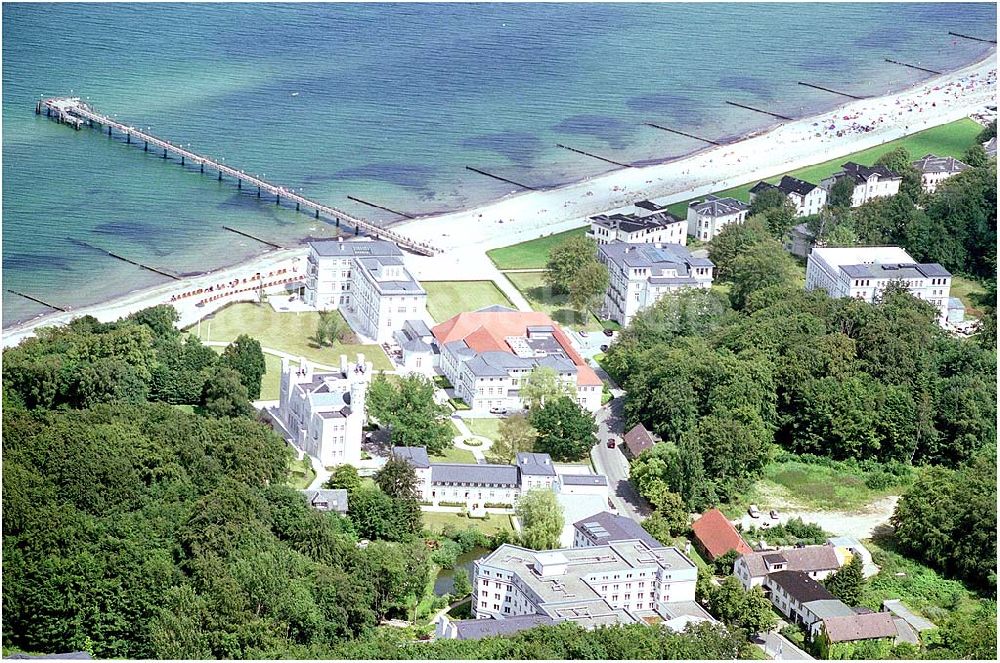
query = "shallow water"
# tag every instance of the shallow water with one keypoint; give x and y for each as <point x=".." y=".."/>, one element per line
<point x="389" y="103"/>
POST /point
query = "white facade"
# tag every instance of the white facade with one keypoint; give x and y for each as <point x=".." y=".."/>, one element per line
<point x="934" y="170"/>
<point x="617" y="580"/>
<point x="639" y="275"/>
<point x="816" y="562"/>
<point x="864" y="272"/>
<point x="659" y="227"/>
<point x="706" y="218"/>
<point x="487" y="355"/>
<point x="367" y="282"/>
<point x="870" y="182"/>
<point x="805" y="197"/>
<point x="324" y="412"/>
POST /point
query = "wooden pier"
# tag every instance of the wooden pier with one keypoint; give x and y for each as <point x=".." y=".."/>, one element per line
<point x="913" y="66"/>
<point x="681" y="133"/>
<point x="73" y="111"/>
<point x="593" y="156"/>
<point x="758" y="110"/>
<point x="831" y="90"/>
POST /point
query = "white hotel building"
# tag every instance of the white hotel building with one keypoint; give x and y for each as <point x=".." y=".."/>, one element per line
<point x="367" y="282"/>
<point x="870" y="182"/>
<point x="322" y="412"/>
<point x="706" y="218"/>
<point x="863" y="272"/>
<point x="640" y="274"/>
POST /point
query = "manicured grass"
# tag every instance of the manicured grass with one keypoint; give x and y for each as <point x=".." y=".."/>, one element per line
<point x="540" y="296"/>
<point x="966" y="290"/>
<point x="288" y="332"/>
<point x="446" y="299"/>
<point x="793" y="484"/>
<point x="454" y="455"/>
<point x="533" y="254"/>
<point x="947" y="140"/>
<point x="487" y="427"/>
<point x="300" y="474"/>
<point x="496" y="523"/>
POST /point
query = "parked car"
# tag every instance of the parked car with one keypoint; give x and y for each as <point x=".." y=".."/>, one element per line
<point x="754" y="511"/>
<point x="604" y="348"/>
<point x="609" y="332"/>
<point x="773" y="514"/>
<point x="583" y="334"/>
<point x="498" y="410"/>
<point x="611" y="443"/>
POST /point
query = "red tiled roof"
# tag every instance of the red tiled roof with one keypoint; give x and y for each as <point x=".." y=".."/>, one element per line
<point x="638" y="439"/>
<point x="717" y="535"/>
<point x="485" y="331"/>
<point x="860" y="627"/>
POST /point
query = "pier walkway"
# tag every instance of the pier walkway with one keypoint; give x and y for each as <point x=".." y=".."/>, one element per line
<point x="74" y="111"/>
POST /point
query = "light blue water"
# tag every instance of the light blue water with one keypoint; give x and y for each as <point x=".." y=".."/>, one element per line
<point x="393" y="102"/>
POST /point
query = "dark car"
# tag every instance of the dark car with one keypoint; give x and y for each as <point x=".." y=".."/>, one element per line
<point x="609" y="332"/>
<point x="611" y="443"/>
<point x="604" y="348"/>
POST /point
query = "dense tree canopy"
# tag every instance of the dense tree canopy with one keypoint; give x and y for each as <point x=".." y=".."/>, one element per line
<point x="246" y="358"/>
<point x="565" y="431"/>
<point x="406" y="406"/>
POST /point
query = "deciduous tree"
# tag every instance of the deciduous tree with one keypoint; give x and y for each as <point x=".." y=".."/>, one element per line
<point x="565" y="430"/>
<point x="541" y="519"/>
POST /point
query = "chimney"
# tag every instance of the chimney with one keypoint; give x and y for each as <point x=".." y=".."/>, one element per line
<point x="343" y="364"/>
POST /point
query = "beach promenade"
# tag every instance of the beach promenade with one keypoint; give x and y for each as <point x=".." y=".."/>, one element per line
<point x="465" y="236"/>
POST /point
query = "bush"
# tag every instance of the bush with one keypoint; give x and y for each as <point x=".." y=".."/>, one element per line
<point x="451" y="503"/>
<point x="458" y="404"/>
<point x="472" y="442"/>
<point x="441" y="382"/>
<point x="498" y="505"/>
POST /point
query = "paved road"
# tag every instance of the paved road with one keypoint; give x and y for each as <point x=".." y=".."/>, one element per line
<point x="612" y="464"/>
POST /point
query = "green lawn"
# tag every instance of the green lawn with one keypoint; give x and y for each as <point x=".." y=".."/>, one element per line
<point x="487" y="427"/>
<point x="446" y="299"/>
<point x="540" y="296"/>
<point x="533" y="254"/>
<point x="436" y="522"/>
<point x="947" y="140"/>
<point x="966" y="290"/>
<point x="289" y="332"/>
<point x="455" y="455"/>
<point x="791" y="484"/>
<point x="300" y="473"/>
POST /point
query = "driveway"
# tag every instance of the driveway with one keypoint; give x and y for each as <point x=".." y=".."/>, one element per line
<point x="612" y="464"/>
<point x="858" y="524"/>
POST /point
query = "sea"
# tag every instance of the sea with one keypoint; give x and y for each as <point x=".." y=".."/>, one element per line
<point x="390" y="104"/>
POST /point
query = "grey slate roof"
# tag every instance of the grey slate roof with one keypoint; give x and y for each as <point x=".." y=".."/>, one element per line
<point x="417" y="456"/>
<point x="991" y="147"/>
<point x="584" y="480"/>
<point x="473" y="629"/>
<point x="800" y="587"/>
<point x="333" y="247"/>
<point x="906" y="270"/>
<point x="787" y="185"/>
<point x="658" y="258"/>
<point x="460" y="473"/>
<point x="631" y="223"/>
<point x="896" y="607"/>
<point x="330" y="499"/>
<point x="861" y="174"/>
<point x="934" y="164"/>
<point x="810" y="558"/>
<point x="715" y="206"/>
<point x="606" y="527"/>
<point x="417" y="328"/>
<point x="535" y="464"/>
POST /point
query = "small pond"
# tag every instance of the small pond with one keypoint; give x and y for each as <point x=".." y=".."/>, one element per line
<point x="446" y="578"/>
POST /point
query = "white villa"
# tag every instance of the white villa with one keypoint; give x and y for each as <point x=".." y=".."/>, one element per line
<point x="486" y="354"/>
<point x="706" y="218"/>
<point x="934" y="170"/>
<point x="863" y="272"/>
<point x="640" y="274"/>
<point x="807" y="198"/>
<point x="650" y="224"/>
<point x="367" y="282"/>
<point x="870" y="182"/>
<point x="323" y="413"/>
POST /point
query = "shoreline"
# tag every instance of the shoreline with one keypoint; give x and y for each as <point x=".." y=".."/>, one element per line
<point x="526" y="214"/>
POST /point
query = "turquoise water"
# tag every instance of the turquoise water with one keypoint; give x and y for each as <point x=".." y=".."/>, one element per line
<point x="389" y="103"/>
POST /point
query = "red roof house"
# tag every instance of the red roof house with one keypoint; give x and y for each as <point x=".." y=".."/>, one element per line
<point x="715" y="536"/>
<point x="638" y="440"/>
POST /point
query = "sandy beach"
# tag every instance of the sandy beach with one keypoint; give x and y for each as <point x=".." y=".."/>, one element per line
<point x="464" y="236"/>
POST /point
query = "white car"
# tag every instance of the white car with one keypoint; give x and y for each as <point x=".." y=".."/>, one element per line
<point x="754" y="511"/>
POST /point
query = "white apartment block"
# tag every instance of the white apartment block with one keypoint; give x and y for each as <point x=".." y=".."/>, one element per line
<point x="323" y="413"/>
<point x="621" y="582"/>
<point x="934" y="170"/>
<point x="870" y="182"/>
<point x="487" y="354"/>
<point x="367" y="282"/>
<point x="807" y="198"/>
<point x="640" y="274"/>
<point x="706" y="218"/>
<point x="651" y="224"/>
<point x="863" y="272"/>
